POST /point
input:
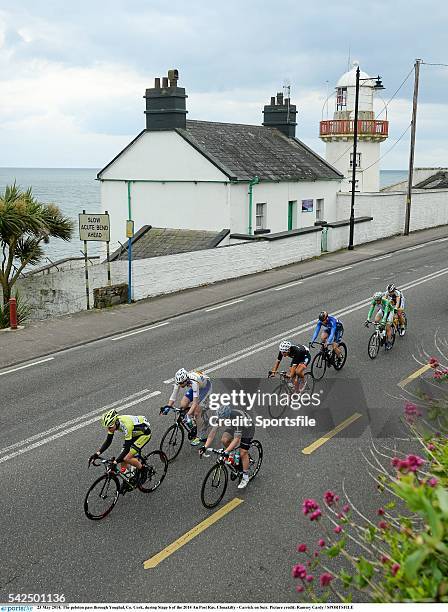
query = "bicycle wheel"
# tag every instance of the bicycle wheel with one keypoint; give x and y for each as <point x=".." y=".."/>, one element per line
<point x="101" y="497"/>
<point x="307" y="384"/>
<point x="172" y="441"/>
<point x="318" y="366"/>
<point x="255" y="458"/>
<point x="156" y="464"/>
<point x="214" y="485"/>
<point x="276" y="411"/>
<point x="392" y="337"/>
<point x="339" y="360"/>
<point x="373" y="346"/>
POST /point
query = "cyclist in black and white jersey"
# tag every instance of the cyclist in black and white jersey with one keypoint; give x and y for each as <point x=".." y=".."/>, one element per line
<point x="300" y="358"/>
<point x="239" y="432"/>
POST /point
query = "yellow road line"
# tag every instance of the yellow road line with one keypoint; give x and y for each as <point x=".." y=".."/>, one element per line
<point x="413" y="376"/>
<point x="315" y="445"/>
<point x="184" y="539"/>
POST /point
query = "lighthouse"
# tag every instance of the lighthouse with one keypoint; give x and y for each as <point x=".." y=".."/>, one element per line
<point x="338" y="133"/>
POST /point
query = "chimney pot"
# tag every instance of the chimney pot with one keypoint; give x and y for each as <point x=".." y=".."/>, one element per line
<point x="281" y="114"/>
<point x="157" y="83"/>
<point x="165" y="82"/>
<point x="280" y="99"/>
<point x="273" y="101"/>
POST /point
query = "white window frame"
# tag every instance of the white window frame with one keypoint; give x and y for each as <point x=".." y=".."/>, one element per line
<point x="260" y="219"/>
<point x="320" y="207"/>
<point x="358" y="159"/>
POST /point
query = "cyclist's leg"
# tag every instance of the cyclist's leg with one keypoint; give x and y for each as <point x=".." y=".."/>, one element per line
<point x="227" y="437"/>
<point x="337" y="339"/>
<point x="299" y="371"/>
<point x="136" y="448"/>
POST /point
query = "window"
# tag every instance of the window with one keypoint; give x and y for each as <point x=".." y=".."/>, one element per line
<point x="292" y="215"/>
<point x="358" y="160"/>
<point x="320" y="209"/>
<point x="260" y="216"/>
<point x="307" y="205"/>
<point x="341" y="98"/>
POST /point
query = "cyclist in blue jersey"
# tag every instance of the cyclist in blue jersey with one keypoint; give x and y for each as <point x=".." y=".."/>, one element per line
<point x="332" y="331"/>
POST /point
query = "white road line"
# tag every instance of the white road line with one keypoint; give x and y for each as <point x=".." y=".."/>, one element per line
<point x="441" y="240"/>
<point x="382" y="257"/>
<point x="418" y="246"/>
<point x="223" y="305"/>
<point x="26" y="366"/>
<point x="339" y="270"/>
<point x="140" y="331"/>
<point x="43" y="438"/>
<point x="295" y="331"/>
<point x="288" y="286"/>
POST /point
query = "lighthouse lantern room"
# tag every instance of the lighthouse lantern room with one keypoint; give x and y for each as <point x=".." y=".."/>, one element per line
<point x="338" y="133"/>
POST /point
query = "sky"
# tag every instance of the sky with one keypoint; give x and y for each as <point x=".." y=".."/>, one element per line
<point x="73" y="75"/>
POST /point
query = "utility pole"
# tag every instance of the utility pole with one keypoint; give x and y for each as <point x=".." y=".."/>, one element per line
<point x="411" y="153"/>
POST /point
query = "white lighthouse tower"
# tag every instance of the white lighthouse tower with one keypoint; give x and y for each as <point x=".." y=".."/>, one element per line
<point x="338" y="132"/>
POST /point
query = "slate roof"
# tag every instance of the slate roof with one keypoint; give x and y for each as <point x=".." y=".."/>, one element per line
<point x="439" y="180"/>
<point x="244" y="151"/>
<point x="157" y="241"/>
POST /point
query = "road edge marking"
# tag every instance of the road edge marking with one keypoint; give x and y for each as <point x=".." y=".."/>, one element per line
<point x="413" y="376"/>
<point x="152" y="562"/>
<point x="28" y="365"/>
<point x="224" y="305"/>
<point x="320" y="441"/>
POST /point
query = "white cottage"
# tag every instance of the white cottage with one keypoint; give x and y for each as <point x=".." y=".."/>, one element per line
<point x="212" y="176"/>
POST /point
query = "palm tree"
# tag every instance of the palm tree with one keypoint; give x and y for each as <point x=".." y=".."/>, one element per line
<point x="25" y="224"/>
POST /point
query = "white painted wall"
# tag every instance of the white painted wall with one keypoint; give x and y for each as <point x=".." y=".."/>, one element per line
<point x="338" y="153"/>
<point x="64" y="292"/>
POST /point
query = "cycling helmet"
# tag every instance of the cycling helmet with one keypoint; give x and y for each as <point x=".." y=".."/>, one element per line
<point x="323" y="315"/>
<point x="377" y="296"/>
<point x="391" y="288"/>
<point x="224" y="412"/>
<point x="284" y="346"/>
<point x="181" y="376"/>
<point x="109" y="418"/>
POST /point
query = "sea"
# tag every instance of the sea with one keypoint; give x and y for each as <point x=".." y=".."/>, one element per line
<point x="76" y="189"/>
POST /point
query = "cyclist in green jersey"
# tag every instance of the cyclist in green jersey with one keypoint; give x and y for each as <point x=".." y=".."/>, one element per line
<point x="137" y="433"/>
<point x="385" y="314"/>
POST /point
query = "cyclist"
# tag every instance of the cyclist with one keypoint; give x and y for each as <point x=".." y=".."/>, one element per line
<point x="198" y="387"/>
<point x="385" y="314"/>
<point x="239" y="435"/>
<point x="300" y="358"/>
<point x="397" y="300"/>
<point x="137" y="433"/>
<point x="332" y="331"/>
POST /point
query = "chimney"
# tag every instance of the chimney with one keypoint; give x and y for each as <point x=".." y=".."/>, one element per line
<point x="165" y="104"/>
<point x="281" y="114"/>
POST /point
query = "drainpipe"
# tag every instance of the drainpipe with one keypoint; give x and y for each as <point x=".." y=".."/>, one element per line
<point x="252" y="182"/>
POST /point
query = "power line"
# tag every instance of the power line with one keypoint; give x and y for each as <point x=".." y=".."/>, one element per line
<point x="389" y="149"/>
<point x="429" y="64"/>
<point x="389" y="101"/>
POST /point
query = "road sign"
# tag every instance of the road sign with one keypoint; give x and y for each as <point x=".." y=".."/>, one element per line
<point x="94" y="227"/>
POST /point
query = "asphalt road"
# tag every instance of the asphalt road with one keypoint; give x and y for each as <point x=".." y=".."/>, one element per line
<point x="49" y="427"/>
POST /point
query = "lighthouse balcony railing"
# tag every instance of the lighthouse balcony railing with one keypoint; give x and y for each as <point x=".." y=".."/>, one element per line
<point x="370" y="127"/>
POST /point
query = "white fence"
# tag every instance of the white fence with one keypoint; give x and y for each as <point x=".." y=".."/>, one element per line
<point x="61" y="293"/>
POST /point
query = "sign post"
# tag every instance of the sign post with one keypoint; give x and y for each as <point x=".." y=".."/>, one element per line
<point x="94" y="227"/>
<point x="130" y="235"/>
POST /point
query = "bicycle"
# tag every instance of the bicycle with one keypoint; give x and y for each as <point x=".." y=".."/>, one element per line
<point x="286" y="386"/>
<point x="401" y="329"/>
<point x="217" y="477"/>
<point x="326" y="358"/>
<point x="378" y="339"/>
<point x="173" y="439"/>
<point x="107" y="488"/>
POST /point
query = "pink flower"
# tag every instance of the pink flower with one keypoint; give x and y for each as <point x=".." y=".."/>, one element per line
<point x="414" y="462"/>
<point x="302" y="548"/>
<point x="433" y="363"/>
<point x="309" y="578"/>
<point x="337" y="529"/>
<point x="380" y="512"/>
<point x="316" y="553"/>
<point x="309" y="505"/>
<point x="325" y="579"/>
<point x="315" y="515"/>
<point x="431" y="447"/>
<point x="410" y="408"/>
<point x="346" y="508"/>
<point x="299" y="588"/>
<point x="394" y="569"/>
<point x="383" y="525"/>
<point x="321" y="543"/>
<point x="432" y="482"/>
<point x="330" y="498"/>
<point x="384" y="559"/>
<point x="299" y="571"/>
